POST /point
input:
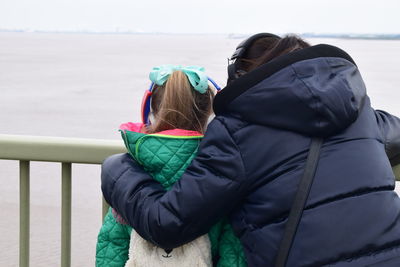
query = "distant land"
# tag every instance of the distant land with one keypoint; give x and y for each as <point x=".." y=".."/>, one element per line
<point x="334" y="36"/>
<point x="353" y="36"/>
<point x="372" y="36"/>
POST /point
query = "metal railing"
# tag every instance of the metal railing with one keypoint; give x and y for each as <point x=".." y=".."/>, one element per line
<point x="53" y="149"/>
<point x="396" y="171"/>
<point x="66" y="151"/>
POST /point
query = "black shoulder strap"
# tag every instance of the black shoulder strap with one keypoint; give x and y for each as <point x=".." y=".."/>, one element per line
<point x="299" y="202"/>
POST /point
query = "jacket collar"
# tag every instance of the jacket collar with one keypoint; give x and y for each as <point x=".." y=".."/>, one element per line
<point x="247" y="81"/>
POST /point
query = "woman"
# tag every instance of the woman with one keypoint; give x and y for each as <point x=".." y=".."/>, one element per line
<point x="252" y="157"/>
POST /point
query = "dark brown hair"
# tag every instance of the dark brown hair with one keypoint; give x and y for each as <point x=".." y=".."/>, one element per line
<point x="176" y="105"/>
<point x="266" y="49"/>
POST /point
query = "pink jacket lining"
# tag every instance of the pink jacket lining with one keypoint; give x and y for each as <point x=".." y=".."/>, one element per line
<point x="140" y="128"/>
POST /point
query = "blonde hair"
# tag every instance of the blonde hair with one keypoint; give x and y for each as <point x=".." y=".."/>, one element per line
<point x="176" y="105"/>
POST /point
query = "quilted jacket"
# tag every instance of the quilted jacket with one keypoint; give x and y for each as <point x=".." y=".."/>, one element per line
<point x="165" y="156"/>
<point x="252" y="157"/>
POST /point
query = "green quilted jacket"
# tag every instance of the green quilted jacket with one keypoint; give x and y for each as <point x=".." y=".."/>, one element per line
<point x="165" y="156"/>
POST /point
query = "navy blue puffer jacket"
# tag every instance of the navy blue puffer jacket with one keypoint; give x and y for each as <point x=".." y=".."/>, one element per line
<point x="252" y="158"/>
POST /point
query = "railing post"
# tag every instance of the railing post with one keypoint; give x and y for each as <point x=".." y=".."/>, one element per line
<point x="105" y="208"/>
<point x="66" y="215"/>
<point x="24" y="213"/>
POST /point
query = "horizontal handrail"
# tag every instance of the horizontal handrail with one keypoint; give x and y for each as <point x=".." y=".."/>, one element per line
<point x="58" y="149"/>
<point x="53" y="149"/>
<point x="396" y="171"/>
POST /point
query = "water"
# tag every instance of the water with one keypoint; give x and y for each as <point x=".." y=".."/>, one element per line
<point x="77" y="85"/>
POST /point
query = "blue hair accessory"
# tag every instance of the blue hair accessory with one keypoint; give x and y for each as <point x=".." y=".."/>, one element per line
<point x="196" y="76"/>
<point x="159" y="75"/>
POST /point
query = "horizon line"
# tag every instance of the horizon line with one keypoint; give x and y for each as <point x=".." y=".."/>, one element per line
<point x="391" y="36"/>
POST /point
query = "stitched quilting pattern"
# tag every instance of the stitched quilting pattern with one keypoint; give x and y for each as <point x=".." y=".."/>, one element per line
<point x="166" y="160"/>
<point x="163" y="157"/>
<point x="112" y="243"/>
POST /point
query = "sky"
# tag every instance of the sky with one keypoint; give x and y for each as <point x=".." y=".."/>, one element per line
<point x="206" y="16"/>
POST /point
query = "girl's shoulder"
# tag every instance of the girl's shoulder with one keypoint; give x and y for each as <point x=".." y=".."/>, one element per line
<point x="164" y="155"/>
<point x="139" y="143"/>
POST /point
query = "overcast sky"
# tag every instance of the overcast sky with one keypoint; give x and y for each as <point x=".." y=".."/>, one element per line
<point x="205" y="16"/>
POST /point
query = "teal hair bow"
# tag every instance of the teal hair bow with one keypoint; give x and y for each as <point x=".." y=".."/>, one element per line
<point x="196" y="76"/>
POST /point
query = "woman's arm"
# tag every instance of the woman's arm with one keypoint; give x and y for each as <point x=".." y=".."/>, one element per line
<point x="210" y="188"/>
<point x="390" y="128"/>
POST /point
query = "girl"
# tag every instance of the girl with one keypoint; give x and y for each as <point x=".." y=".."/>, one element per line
<point x="175" y="111"/>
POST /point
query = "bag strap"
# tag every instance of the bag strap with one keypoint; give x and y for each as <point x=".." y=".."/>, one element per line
<point x="299" y="202"/>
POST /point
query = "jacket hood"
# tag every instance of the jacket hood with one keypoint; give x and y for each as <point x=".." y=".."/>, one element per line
<point x="164" y="155"/>
<point x="316" y="91"/>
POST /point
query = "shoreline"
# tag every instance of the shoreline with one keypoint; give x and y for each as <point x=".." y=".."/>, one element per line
<point x="342" y="36"/>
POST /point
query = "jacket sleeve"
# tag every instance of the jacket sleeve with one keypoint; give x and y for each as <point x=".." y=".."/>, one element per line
<point x="210" y="188"/>
<point x="112" y="243"/>
<point x="390" y="128"/>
